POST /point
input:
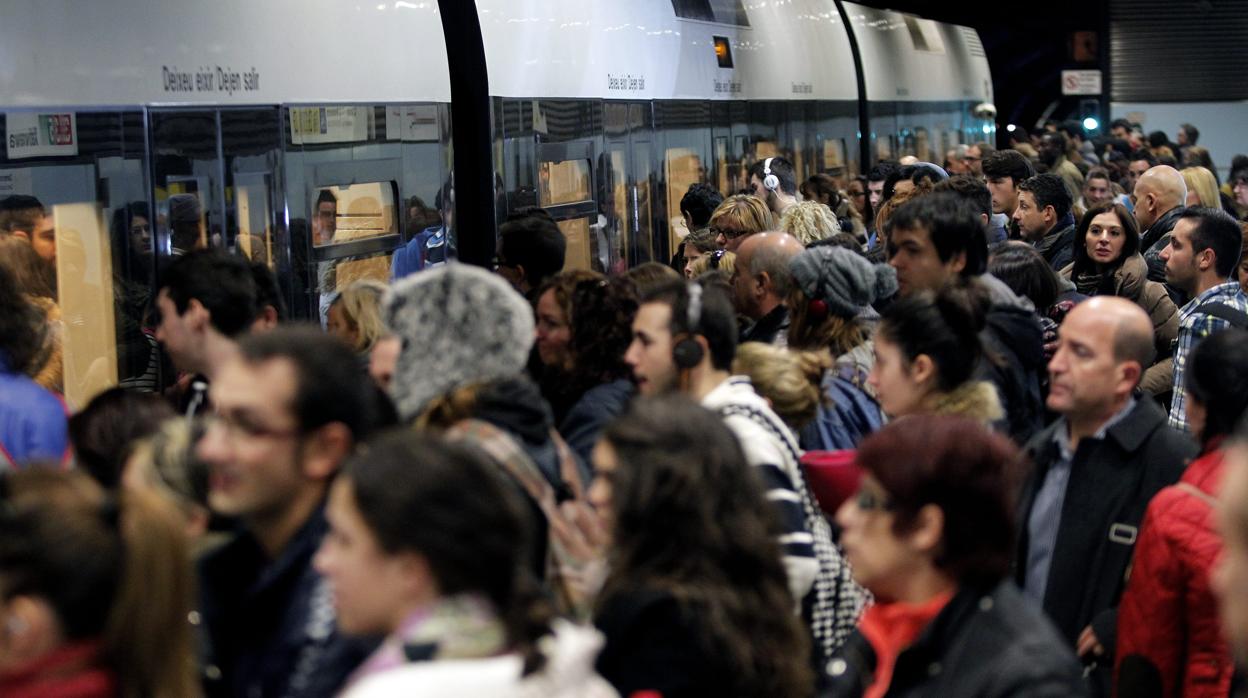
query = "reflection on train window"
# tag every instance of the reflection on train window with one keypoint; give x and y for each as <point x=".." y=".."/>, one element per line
<point x="354" y="212"/>
<point x="580" y="254"/>
<point x="185" y="213"/>
<point x="564" y="182"/>
<point x="253" y="210"/>
<point x="85" y="301"/>
<point x="922" y="146"/>
<point x="885" y="146"/>
<point x="833" y="155"/>
<point x="766" y="149"/>
<point x="722" y="11"/>
<point x="682" y="168"/>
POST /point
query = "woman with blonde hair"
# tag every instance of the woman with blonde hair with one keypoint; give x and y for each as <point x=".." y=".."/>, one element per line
<point x="355" y="315"/>
<point x="1202" y="187"/>
<point x="809" y="221"/>
<point x="720" y="262"/>
<point x="95" y="588"/>
<point x="740" y="215"/>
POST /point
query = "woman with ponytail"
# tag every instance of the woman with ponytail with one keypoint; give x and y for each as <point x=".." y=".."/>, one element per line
<point x="429" y="547"/>
<point x="926" y="351"/>
<point x="95" y="589"/>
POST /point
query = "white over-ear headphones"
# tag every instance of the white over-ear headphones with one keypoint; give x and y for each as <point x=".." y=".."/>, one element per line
<point x="770" y="181"/>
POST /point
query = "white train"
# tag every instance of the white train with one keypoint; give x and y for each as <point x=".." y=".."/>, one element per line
<point x="604" y="113"/>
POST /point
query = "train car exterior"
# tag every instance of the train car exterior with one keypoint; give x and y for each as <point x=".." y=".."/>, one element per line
<point x="315" y="137"/>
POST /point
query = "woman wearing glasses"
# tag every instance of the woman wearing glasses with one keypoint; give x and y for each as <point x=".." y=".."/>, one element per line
<point x="931" y="535"/>
<point x="738" y="217"/>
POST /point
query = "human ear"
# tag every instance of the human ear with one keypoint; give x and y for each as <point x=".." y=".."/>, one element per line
<point x="922" y="369"/>
<point x="331" y="444"/>
<point x="928" y="529"/>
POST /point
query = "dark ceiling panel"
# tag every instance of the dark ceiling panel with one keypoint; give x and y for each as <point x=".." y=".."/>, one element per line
<point x="1178" y="50"/>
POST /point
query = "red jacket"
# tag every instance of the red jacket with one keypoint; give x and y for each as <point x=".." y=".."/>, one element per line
<point x="1168" y="631"/>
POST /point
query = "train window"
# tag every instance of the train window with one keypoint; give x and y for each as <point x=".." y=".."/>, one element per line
<point x="834" y="156"/>
<point x="80" y="244"/>
<point x="922" y="145"/>
<point x="354" y="212"/>
<point x="722" y="11"/>
<point x="580" y="251"/>
<point x="683" y="168"/>
<point x="564" y="182"/>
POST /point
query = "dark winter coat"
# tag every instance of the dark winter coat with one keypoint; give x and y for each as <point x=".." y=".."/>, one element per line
<point x="983" y="644"/>
<point x="590" y="415"/>
<point x="269" y="625"/>
<point x="1111" y="483"/>
<point x="1057" y="246"/>
<point x="1014" y="358"/>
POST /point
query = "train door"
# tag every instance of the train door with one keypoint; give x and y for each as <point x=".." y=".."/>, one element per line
<point x="215" y="180"/>
<point x="626" y="189"/>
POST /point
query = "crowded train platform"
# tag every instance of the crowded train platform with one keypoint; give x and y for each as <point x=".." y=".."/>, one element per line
<point x="737" y="379"/>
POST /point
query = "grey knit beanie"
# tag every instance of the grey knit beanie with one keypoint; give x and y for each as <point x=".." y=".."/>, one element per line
<point x="842" y="278"/>
<point x="459" y="325"/>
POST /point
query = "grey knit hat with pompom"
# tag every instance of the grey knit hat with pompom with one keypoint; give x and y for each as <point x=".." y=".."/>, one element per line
<point x="842" y="278"/>
<point x="459" y="325"/>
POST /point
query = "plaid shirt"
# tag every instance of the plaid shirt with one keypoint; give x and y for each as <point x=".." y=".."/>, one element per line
<point x="1193" y="327"/>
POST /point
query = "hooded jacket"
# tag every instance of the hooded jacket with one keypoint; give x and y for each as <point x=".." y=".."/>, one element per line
<point x="1013" y="358"/>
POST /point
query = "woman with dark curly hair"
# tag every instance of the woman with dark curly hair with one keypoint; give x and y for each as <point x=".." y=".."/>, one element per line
<point x="696" y="602"/>
<point x="584" y="326"/>
<point x="32" y="419"/>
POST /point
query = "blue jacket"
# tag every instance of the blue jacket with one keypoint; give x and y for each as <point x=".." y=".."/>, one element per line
<point x="848" y="415"/>
<point x="590" y="415"/>
<point x="33" y="421"/>
<point x="429" y="248"/>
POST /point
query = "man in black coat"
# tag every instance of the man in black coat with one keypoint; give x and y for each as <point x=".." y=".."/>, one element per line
<point x="287" y="411"/>
<point x="1096" y="468"/>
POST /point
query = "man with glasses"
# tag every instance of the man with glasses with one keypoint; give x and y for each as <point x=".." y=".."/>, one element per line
<point x="289" y="407"/>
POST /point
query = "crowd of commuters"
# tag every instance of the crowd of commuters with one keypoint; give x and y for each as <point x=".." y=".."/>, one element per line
<point x="972" y="430"/>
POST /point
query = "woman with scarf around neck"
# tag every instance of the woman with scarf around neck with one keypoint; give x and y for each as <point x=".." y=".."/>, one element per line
<point x="1107" y="262"/>
<point x="429" y="547"/>
<point x="926" y="350"/>
<point x="931" y="535"/>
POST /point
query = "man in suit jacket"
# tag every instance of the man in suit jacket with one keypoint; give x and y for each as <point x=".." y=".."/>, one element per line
<point x="1096" y="468"/>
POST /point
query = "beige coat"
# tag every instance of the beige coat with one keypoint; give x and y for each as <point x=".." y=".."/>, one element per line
<point x="1131" y="282"/>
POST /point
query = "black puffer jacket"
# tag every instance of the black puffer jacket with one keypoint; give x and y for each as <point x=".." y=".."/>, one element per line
<point x="984" y="644"/>
<point x="1014" y="359"/>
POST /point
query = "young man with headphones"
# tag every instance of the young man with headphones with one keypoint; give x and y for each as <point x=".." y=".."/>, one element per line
<point x="684" y="339"/>
<point x="774" y="181"/>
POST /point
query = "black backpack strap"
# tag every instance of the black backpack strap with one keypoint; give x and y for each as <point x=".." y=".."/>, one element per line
<point x="1235" y="316"/>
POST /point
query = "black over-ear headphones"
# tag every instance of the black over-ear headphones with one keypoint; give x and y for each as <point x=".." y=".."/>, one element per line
<point x="687" y="353"/>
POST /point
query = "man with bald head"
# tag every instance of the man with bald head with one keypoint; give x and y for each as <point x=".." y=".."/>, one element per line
<point x="1096" y="468"/>
<point x="760" y="284"/>
<point x="1159" y="197"/>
